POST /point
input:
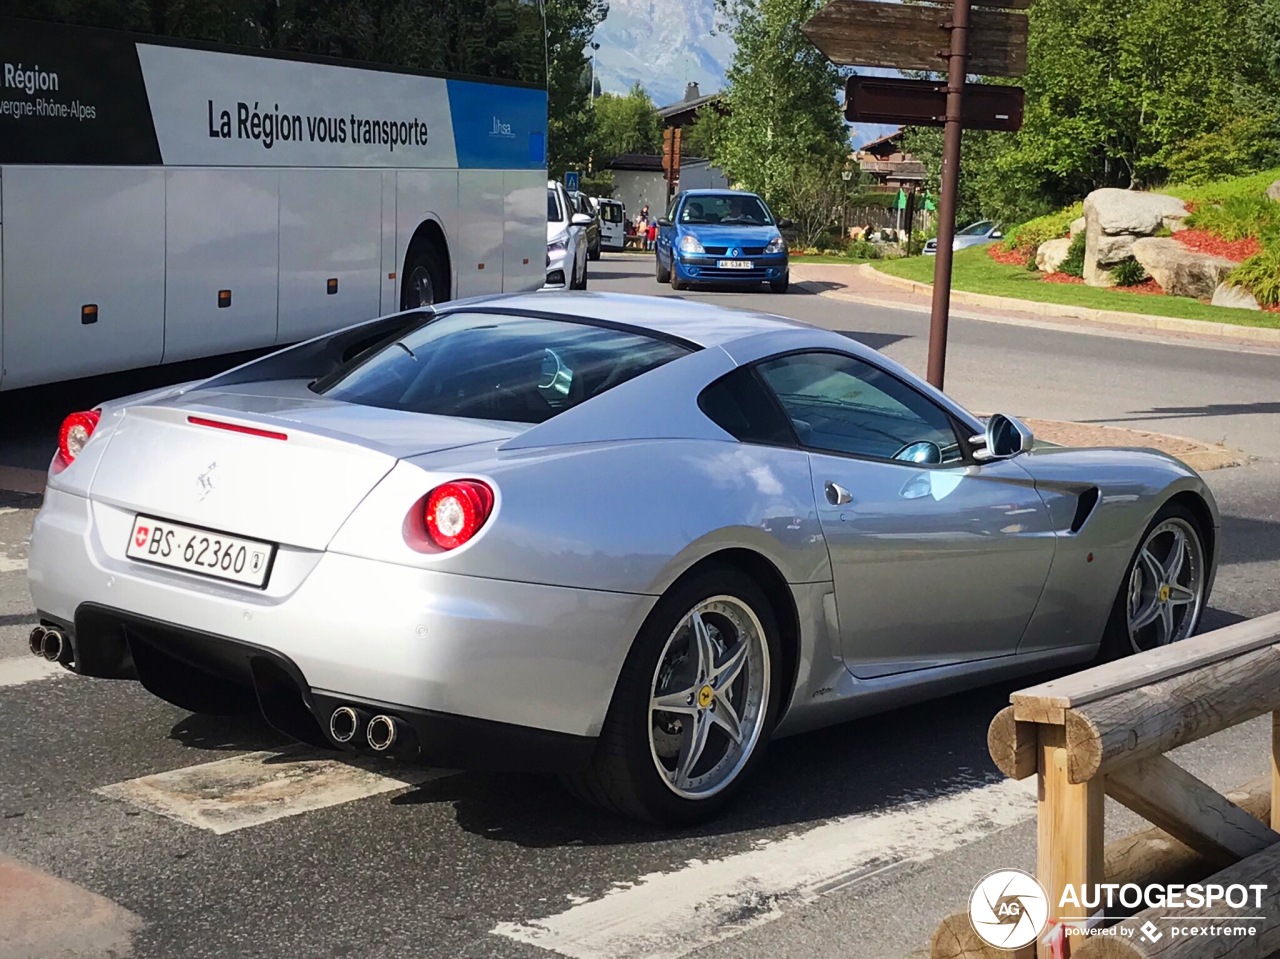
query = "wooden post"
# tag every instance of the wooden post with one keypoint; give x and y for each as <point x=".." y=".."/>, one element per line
<point x="1069" y="847"/>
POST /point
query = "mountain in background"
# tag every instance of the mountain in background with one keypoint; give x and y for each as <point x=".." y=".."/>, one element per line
<point x="666" y="44"/>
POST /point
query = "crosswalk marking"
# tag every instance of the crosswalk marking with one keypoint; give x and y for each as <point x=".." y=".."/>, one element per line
<point x="260" y="787"/>
<point x="666" y="915"/>
<point x="27" y="669"/>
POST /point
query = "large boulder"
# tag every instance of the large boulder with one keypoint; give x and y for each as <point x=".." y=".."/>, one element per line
<point x="1179" y="271"/>
<point x="1119" y="212"/>
<point x="1273" y="191"/>
<point x="1051" y="254"/>
<point x="1234" y="297"/>
<point x="1078" y="226"/>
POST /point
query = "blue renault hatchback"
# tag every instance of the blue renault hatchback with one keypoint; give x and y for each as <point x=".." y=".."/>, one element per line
<point x="721" y="237"/>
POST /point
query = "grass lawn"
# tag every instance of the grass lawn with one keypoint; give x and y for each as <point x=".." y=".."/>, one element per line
<point x="976" y="272"/>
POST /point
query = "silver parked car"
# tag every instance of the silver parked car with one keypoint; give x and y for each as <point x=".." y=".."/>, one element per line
<point x="622" y="538"/>
<point x="975" y="234"/>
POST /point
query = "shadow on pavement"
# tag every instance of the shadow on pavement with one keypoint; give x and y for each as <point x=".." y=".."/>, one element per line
<point x="1246" y="540"/>
<point x="1268" y="407"/>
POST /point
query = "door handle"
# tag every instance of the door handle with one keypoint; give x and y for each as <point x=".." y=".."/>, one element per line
<point x="837" y="495"/>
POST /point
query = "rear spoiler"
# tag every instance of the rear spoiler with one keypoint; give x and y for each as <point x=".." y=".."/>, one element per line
<point x="319" y="357"/>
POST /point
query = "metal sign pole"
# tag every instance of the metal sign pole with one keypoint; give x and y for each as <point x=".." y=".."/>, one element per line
<point x="957" y="57"/>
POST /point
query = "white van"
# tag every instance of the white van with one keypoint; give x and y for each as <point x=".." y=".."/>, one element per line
<point x="613" y="223"/>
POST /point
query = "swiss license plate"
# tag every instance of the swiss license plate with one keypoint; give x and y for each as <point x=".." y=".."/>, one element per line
<point x="734" y="264"/>
<point x="201" y="551"/>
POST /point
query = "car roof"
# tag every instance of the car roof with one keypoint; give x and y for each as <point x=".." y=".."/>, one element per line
<point x="702" y="324"/>
<point x="712" y="191"/>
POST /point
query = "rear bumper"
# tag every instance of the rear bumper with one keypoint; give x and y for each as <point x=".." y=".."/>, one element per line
<point x="519" y="654"/>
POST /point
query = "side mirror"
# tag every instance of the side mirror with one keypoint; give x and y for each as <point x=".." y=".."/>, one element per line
<point x="924" y="452"/>
<point x="664" y="221"/>
<point x="581" y="219"/>
<point x="1007" y="437"/>
<point x="997" y="235"/>
<point x="785" y="224"/>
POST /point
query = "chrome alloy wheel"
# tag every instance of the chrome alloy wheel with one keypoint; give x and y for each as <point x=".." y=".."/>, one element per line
<point x="708" y="697"/>
<point x="1166" y="587"/>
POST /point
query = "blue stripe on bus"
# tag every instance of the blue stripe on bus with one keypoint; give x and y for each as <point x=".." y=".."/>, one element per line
<point x="498" y="128"/>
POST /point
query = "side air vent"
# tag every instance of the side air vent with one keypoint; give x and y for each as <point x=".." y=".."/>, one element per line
<point x="1084" y="508"/>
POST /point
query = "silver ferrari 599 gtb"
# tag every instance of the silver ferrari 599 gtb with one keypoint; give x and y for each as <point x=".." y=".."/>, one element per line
<point x="624" y="539"/>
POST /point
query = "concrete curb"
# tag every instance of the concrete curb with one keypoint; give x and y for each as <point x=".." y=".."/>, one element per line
<point x="1200" y="456"/>
<point x="1142" y="321"/>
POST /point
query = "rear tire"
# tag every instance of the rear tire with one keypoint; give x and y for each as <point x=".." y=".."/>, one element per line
<point x="1177" y="615"/>
<point x="426" y="280"/>
<point x="647" y="764"/>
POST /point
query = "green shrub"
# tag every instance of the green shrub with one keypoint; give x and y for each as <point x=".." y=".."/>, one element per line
<point x="1236" y="147"/>
<point x="1129" y="273"/>
<point x="1260" y="275"/>
<point x="1238" y="217"/>
<point x="1073" y="265"/>
<point x="884" y="200"/>
<point x="1028" y="237"/>
<point x="864" y="250"/>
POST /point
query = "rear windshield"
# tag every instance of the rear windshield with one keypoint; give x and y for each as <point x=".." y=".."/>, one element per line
<point x="611" y="212"/>
<point x="517" y="369"/>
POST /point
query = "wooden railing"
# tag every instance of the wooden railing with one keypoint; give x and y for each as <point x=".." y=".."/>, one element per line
<point x="1104" y="732"/>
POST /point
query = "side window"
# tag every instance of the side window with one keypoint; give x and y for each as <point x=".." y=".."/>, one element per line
<point x="740" y="405"/>
<point x="841" y="404"/>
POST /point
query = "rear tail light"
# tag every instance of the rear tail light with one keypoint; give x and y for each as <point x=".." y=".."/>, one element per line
<point x="75" y="432"/>
<point x="455" y="512"/>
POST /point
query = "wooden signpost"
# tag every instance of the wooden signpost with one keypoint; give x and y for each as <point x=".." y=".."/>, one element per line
<point x="905" y="36"/>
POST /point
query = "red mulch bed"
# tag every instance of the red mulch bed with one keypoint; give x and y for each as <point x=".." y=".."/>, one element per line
<point x="1148" y="286"/>
<point x="1062" y="278"/>
<point x="1201" y="241"/>
<point x="1007" y="257"/>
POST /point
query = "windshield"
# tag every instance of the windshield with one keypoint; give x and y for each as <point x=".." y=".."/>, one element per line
<point x="554" y="213"/>
<point x="517" y="369"/>
<point x="981" y="228"/>
<point x="742" y="209"/>
<point x="611" y="212"/>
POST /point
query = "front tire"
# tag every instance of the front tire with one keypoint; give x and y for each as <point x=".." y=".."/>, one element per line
<point x="579" y="282"/>
<point x="780" y="286"/>
<point x="677" y="284"/>
<point x="426" y="280"/>
<point x="663" y="274"/>
<point x="694" y="707"/>
<point x="1162" y="596"/>
<point x="594" y="252"/>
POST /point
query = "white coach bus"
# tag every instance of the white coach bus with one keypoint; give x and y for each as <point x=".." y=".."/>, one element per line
<point x="255" y="177"/>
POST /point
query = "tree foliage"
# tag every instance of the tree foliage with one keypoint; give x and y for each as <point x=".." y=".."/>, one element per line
<point x="1128" y="93"/>
<point x="570" y="126"/>
<point x="625" y="124"/>
<point x="783" y="114"/>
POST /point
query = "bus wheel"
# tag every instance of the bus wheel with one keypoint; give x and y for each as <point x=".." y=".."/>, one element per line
<point x="425" y="282"/>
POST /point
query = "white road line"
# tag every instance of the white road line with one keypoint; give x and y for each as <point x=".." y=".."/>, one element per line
<point x="668" y="915"/>
<point x="27" y="669"/>
<point x="257" y="788"/>
<point x="11" y="564"/>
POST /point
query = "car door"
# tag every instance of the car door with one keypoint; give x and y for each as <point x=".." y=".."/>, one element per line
<point x="937" y="559"/>
<point x="664" y="244"/>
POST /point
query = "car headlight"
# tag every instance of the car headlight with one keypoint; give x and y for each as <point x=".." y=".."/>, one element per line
<point x="690" y="244"/>
<point x="776" y="245"/>
<point x="557" y="245"/>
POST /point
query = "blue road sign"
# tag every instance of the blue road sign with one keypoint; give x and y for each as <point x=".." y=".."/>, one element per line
<point x="571" y="181"/>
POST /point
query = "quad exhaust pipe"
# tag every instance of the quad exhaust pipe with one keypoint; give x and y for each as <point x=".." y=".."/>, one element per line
<point x="52" y="644"/>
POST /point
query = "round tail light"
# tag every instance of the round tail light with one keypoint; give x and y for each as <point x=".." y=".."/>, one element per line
<point x="75" y="432"/>
<point x="455" y="511"/>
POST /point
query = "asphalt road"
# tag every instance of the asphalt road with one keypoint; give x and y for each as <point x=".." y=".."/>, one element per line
<point x="851" y="842"/>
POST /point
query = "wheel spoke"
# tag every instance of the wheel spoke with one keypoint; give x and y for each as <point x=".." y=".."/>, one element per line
<point x="1180" y="595"/>
<point x="1166" y="624"/>
<point x="728" y="671"/>
<point x="1152" y="568"/>
<point x="1146" y="616"/>
<point x="1173" y="563"/>
<point x="705" y="648"/>
<point x="683" y="702"/>
<point x="726" y="717"/>
<point x="691" y="748"/>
